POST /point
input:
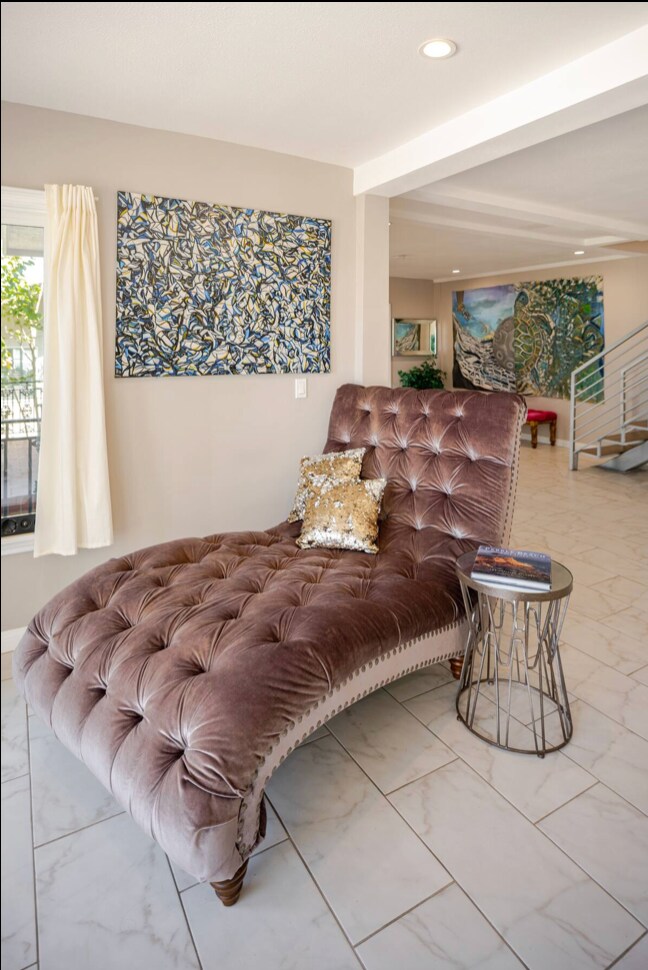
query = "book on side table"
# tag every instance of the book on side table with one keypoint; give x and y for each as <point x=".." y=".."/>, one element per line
<point x="512" y="567"/>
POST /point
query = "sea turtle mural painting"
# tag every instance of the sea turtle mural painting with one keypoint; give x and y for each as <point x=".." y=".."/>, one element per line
<point x="527" y="337"/>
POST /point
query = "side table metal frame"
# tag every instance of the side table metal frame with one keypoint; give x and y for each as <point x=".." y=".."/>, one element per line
<point x="513" y="639"/>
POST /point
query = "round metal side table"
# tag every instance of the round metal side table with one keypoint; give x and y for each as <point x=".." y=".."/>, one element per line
<point x="512" y="660"/>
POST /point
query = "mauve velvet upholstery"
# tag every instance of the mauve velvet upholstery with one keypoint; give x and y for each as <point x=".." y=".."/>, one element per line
<point x="171" y="672"/>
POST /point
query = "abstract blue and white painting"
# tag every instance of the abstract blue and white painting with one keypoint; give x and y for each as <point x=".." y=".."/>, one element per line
<point x="214" y="289"/>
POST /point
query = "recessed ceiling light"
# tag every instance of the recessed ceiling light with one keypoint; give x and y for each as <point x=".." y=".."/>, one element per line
<point x="438" y="47"/>
<point x="456" y="271"/>
<point x="579" y="252"/>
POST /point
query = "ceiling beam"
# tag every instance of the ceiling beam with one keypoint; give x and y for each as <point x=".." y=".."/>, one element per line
<point x="603" y="83"/>
<point x="524" y="269"/>
<point x="499" y="206"/>
<point x="400" y="212"/>
<point x="488" y="228"/>
<point x="634" y="246"/>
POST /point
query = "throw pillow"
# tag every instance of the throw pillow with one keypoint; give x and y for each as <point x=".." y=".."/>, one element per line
<point x="315" y="469"/>
<point x="343" y="515"/>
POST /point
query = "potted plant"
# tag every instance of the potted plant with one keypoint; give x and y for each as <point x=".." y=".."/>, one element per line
<point x="426" y="375"/>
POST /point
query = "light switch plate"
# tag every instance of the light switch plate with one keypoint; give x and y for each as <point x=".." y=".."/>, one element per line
<point x="301" y="387"/>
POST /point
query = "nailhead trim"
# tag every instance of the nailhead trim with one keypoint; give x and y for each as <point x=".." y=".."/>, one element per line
<point x="510" y="504"/>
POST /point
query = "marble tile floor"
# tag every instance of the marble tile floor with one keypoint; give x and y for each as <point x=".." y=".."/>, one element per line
<point x="396" y="840"/>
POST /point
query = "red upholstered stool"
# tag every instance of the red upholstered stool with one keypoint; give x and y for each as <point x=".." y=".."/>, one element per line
<point x="534" y="418"/>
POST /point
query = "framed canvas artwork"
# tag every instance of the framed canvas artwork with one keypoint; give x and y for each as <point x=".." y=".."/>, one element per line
<point x="527" y="337"/>
<point x="413" y="338"/>
<point x="208" y="289"/>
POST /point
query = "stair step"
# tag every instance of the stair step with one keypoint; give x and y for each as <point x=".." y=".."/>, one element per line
<point x="607" y="449"/>
<point x="635" y="458"/>
<point x="634" y="434"/>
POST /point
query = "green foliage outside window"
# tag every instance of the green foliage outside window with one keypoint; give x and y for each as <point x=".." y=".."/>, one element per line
<point x="21" y="317"/>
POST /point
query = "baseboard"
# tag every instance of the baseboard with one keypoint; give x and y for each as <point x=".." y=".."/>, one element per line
<point x="544" y="440"/>
<point x="9" y="640"/>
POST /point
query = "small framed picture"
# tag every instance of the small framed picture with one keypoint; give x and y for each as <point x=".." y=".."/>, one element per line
<point x="413" y="338"/>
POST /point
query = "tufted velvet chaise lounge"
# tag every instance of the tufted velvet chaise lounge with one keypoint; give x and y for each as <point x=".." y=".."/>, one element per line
<point x="183" y="674"/>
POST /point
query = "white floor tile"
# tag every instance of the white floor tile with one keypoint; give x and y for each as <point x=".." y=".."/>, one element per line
<point x="548" y="910"/>
<point x="275" y="833"/>
<point x="618" y="650"/>
<point x="631" y="622"/>
<point x="560" y="545"/>
<point x="443" y="699"/>
<point x="626" y="589"/>
<point x="593" y="603"/>
<point x="281" y="921"/>
<point x="609" y="691"/>
<point x="15" y="758"/>
<point x="183" y="879"/>
<point x="589" y="573"/>
<point x="608" y="838"/>
<point x="445" y="933"/>
<point x="387" y="742"/>
<point x="642" y="602"/>
<point x="536" y="786"/>
<point x="65" y="794"/>
<point x="434" y="704"/>
<point x="18" y="916"/>
<point x="614" y="755"/>
<point x="621" y="556"/>
<point x="641" y="675"/>
<point x="366" y="860"/>
<point x="320" y="732"/>
<point x="636" y="958"/>
<point x="419" y="681"/>
<point x="106" y="899"/>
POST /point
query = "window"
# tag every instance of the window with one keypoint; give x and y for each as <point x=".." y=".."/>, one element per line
<point x="23" y="219"/>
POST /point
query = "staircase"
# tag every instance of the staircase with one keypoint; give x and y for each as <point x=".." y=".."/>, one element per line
<point x="609" y="405"/>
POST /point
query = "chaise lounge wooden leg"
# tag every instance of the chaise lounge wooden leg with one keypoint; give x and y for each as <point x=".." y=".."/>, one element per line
<point x="534" y="433"/>
<point x="229" y="890"/>
<point x="456" y="664"/>
<point x="552" y="432"/>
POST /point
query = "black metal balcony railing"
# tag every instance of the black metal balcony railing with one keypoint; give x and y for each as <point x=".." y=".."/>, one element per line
<point x="21" y="421"/>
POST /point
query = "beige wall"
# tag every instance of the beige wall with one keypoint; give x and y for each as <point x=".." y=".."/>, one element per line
<point x="411" y="298"/>
<point x="625" y="294"/>
<point x="188" y="455"/>
<point x="373" y="342"/>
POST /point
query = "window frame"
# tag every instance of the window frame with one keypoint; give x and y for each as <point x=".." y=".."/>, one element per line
<point x="22" y="207"/>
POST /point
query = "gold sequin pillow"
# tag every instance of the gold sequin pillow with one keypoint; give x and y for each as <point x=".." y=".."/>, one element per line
<point x="315" y="469"/>
<point x="343" y="515"/>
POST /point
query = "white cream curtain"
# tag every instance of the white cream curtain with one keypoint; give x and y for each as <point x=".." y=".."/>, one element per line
<point x="73" y="489"/>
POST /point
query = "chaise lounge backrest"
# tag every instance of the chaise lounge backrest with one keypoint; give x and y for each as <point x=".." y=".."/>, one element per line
<point x="450" y="461"/>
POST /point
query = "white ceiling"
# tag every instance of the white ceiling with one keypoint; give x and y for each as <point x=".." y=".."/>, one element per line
<point x="338" y="82"/>
<point x="601" y="169"/>
<point x="533" y="208"/>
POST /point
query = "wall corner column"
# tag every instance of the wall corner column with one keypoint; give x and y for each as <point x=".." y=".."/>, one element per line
<point x="372" y="323"/>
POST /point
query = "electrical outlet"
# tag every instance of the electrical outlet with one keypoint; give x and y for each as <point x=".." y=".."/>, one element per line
<point x="301" y="387"/>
